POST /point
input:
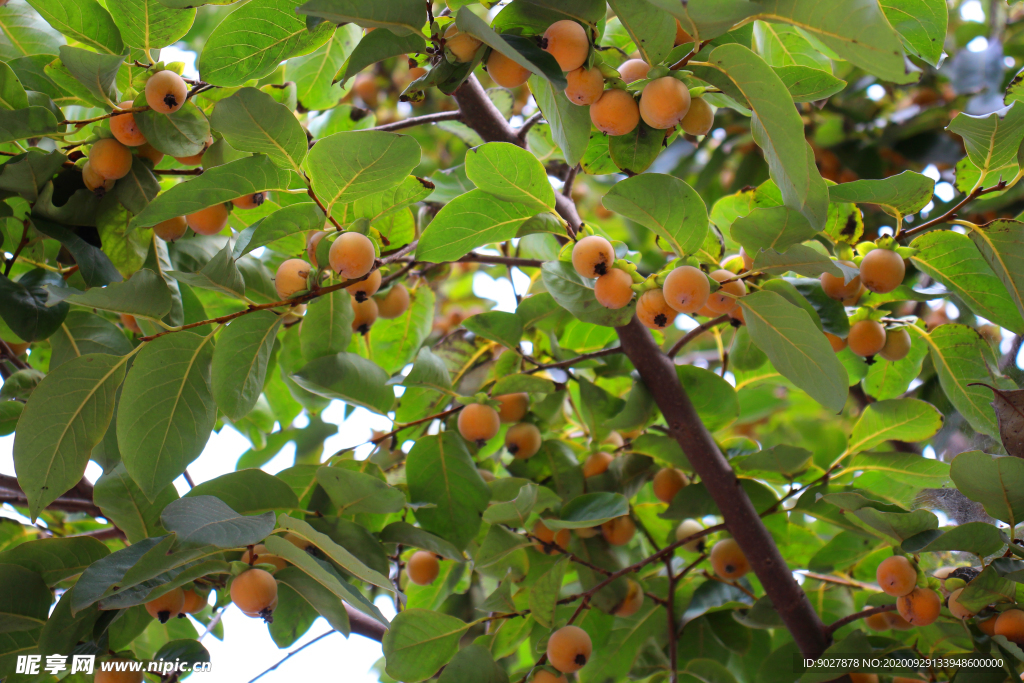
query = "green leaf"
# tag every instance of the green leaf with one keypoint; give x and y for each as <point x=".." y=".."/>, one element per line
<point x="181" y="134"/>
<point x="252" y="121"/>
<point x="589" y="510"/>
<point x="348" y="166"/>
<point x="215" y="186"/>
<point x="469" y="221"/>
<point x="335" y="552"/>
<point x="798" y="258"/>
<point x="355" y="492"/>
<point x="869" y="42"/>
<point x="219" y="274"/>
<point x="987" y="588"/>
<point x="25" y="34"/>
<point x="809" y="85"/>
<point x="777" y="127"/>
<point x="320" y="598"/>
<point x="83" y="20"/>
<point x="504" y="328"/>
<point x="545" y="592"/>
<point x="525" y="53"/>
<point x="897" y="195"/>
<point x="786" y="460"/>
<point x="992" y="142"/>
<point x="66" y="416"/>
<point x="401" y="17"/>
<point x="377" y="46"/>
<point x="143" y="294"/>
<point x="349" y="378"/>
<point x="205" y="520"/>
<point x="289" y="220"/>
<point x="428" y="371"/>
<point x="530" y="498"/>
<point x="713" y="397"/>
<point x="439" y="470"/>
<point x="25" y="602"/>
<point x="979" y="538"/>
<point x="899" y="525"/>
<point x="10" y="413"/>
<point x="97" y="72"/>
<point x="148" y="24"/>
<point x="25" y="307"/>
<point x="796" y="348"/>
<point x="407" y="534"/>
<point x="327" y="326"/>
<point x="782" y="46"/>
<point x="420" y="642"/>
<point x="93" y="264"/>
<point x="126" y="506"/>
<point x="570" y="124"/>
<point x="12" y="95"/>
<point x="312" y="74"/>
<point x="138" y="188"/>
<point x="166" y="411"/>
<point x="652" y="35"/>
<point x="394" y="343"/>
<point x="240" y="362"/>
<point x="908" y="419"/>
<point x="891" y="379"/>
<point x="666" y="206"/>
<point x="958" y="354"/>
<point x="953" y="260"/>
<point x="55" y="559"/>
<point x="574" y="294"/>
<point x="511" y="173"/>
<point x="634" y="152"/>
<point x="252" y="40"/>
<point x="775" y="227"/>
<point x="473" y="664"/>
<point x="511" y="384"/>
<point x="28" y="173"/>
<point x="26" y="123"/>
<point x="248" y="491"/>
<point x="921" y="25"/>
<point x="1001" y="243"/>
<point x="997" y="482"/>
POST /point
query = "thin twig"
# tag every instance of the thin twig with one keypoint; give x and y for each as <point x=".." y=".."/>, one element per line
<point x="420" y="120"/>
<point x="836" y="625"/>
<point x="178" y="171"/>
<point x="6" y="351"/>
<point x="569" y="180"/>
<point x="529" y="123"/>
<point x="21" y="245"/>
<point x="292" y="654"/>
<point x="951" y="214"/>
<point x="696" y="332"/>
<point x="670" y="607"/>
<point x="573" y="361"/>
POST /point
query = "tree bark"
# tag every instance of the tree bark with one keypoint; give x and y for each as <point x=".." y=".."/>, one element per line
<point x="659" y="375"/>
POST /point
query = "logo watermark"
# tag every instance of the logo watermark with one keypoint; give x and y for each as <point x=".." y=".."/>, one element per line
<point x="55" y="664"/>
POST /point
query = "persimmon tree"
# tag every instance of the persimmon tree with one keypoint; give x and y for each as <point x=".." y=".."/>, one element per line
<point x="756" y="402"/>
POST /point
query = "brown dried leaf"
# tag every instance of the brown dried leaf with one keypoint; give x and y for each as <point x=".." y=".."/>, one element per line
<point x="1009" y="407"/>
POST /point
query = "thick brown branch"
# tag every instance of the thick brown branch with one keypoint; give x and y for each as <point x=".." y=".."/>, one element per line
<point x="741" y="518"/>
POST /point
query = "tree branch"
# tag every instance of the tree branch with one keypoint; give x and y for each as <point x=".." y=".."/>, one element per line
<point x="951" y="214"/>
<point x="696" y="332"/>
<point x="573" y="361"/>
<point x="658" y="373"/>
<point x="838" y="624"/>
<point x="420" y="120"/>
